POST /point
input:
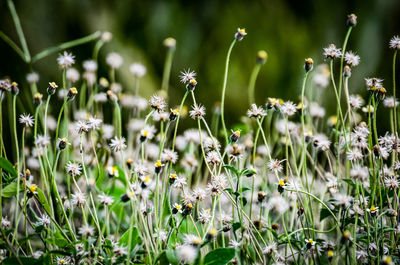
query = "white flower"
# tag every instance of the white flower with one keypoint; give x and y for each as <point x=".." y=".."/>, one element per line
<point x="187" y="75"/>
<point x="86" y="230"/>
<point x="66" y="60"/>
<point x="74" y="169"/>
<point x="213" y="157"/>
<point x="117" y="144"/>
<point x="354" y="154"/>
<point x="392" y="182"/>
<point x="94" y="123"/>
<point x="256" y="112"/>
<point x="288" y="108"/>
<point x="278" y="204"/>
<point x="187" y="253"/>
<point x="316" y="111"/>
<point x="63" y="260"/>
<point x="81" y="126"/>
<point x="205" y="216"/>
<point x="169" y="156"/>
<point x="157" y="103"/>
<point x="356" y="101"/>
<point x="105" y="199"/>
<point x="197" y="111"/>
<point x="161" y="234"/>
<point x="45" y="221"/>
<point x="26" y="119"/>
<point x="332" y="52"/>
<point x="42" y="140"/>
<point x="137" y="69"/>
<point x="395" y="43"/>
<point x="106" y="36"/>
<point x="72" y="75"/>
<point x="179" y="183"/>
<point x="235" y="244"/>
<point x="390" y="102"/>
<point x="114" y="60"/>
<point x="270" y="249"/>
<point x="78" y="199"/>
<point x="90" y="65"/>
<point x="32" y="78"/>
<point x="275" y="165"/>
<point x="351" y="58"/>
<point x="190" y="239"/>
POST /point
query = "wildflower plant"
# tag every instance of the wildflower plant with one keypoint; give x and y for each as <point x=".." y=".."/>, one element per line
<point x="290" y="185"/>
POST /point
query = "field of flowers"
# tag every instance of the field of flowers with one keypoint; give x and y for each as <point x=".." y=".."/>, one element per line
<point x="100" y="175"/>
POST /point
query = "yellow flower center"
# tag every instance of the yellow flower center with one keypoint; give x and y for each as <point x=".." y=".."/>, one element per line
<point x="330" y="253"/>
<point x="281" y="182"/>
<point x="178" y="207"/>
<point x="33" y="188"/>
<point x="373" y="209"/>
<point x="175" y="111"/>
<point x="145" y="133"/>
<point x="158" y="163"/>
<point x="73" y="90"/>
<point x="147" y="179"/>
<point x="310" y="241"/>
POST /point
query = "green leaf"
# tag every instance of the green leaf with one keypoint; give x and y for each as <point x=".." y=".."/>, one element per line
<point x="7" y="166"/>
<point x="220" y="256"/>
<point x="233" y="169"/>
<point x="324" y="214"/>
<point x="43" y="201"/>
<point x="135" y="238"/>
<point x="65" y="45"/>
<point x="350" y="182"/>
<point x="25" y="261"/>
<point x="10" y="190"/>
<point x="167" y="257"/>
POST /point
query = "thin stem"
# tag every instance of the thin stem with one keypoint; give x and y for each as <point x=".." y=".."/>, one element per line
<point x="252" y="83"/>
<point x="223" y="90"/>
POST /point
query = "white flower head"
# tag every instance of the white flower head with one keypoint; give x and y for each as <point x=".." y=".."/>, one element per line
<point x="117" y="144"/>
<point x="66" y="60"/>
<point x="137" y="69"/>
<point x="114" y="60"/>
<point x="26" y="119"/>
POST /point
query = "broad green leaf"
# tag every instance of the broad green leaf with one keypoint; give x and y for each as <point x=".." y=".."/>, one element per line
<point x="7" y="166"/>
<point x="220" y="256"/>
<point x="10" y="190"/>
<point x="135" y="238"/>
<point x="167" y="257"/>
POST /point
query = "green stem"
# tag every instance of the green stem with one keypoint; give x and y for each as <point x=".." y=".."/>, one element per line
<point x="167" y="70"/>
<point x="20" y="32"/>
<point x="252" y="83"/>
<point x="223" y="90"/>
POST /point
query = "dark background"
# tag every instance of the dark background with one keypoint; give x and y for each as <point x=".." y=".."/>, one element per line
<point x="289" y="31"/>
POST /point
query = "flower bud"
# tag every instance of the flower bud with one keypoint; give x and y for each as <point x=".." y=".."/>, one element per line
<point x="51" y="89"/>
<point x="14" y="88"/>
<point x="239" y="35"/>
<point x="37" y="99"/>
<point x="72" y="92"/>
<point x="262" y="57"/>
<point x="308" y="65"/>
<point x="351" y="20"/>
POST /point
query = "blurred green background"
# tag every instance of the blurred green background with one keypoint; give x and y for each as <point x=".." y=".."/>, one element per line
<point x="288" y="30"/>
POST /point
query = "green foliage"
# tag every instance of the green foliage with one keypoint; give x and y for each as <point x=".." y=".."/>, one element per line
<point x="220" y="256"/>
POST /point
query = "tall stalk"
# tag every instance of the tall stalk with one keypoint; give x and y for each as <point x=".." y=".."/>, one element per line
<point x="224" y="89"/>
